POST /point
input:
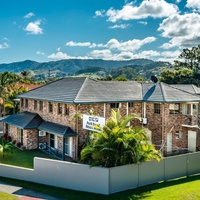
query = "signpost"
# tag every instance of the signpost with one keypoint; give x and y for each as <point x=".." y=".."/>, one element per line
<point x="89" y="122"/>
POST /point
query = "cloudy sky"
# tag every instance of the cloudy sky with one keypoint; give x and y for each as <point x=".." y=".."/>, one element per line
<point x="49" y="30"/>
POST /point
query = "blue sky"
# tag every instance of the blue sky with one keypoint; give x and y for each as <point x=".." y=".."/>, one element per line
<point x="50" y="30"/>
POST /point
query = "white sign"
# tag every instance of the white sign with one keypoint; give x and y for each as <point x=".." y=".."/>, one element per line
<point x="89" y="122"/>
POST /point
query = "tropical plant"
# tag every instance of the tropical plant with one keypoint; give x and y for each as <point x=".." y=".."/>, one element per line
<point x="117" y="144"/>
<point x="5" y="148"/>
<point x="7" y="79"/>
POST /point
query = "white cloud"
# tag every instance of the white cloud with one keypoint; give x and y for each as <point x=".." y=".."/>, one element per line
<point x="148" y="8"/>
<point x="29" y="15"/>
<point x="4" y="45"/>
<point x="194" y="4"/>
<point x="102" y="54"/>
<point x="182" y="29"/>
<point x="78" y="44"/>
<point x="83" y="44"/>
<point x="121" y="26"/>
<point x="34" y="28"/>
<point x="142" y="22"/>
<point x="40" y="53"/>
<point x="60" y="55"/>
<point x="99" y="13"/>
<point x="130" y="45"/>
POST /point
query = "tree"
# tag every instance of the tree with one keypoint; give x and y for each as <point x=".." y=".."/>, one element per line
<point x="5" y="148"/>
<point x="180" y="76"/>
<point x="25" y="74"/>
<point x="189" y="58"/>
<point x="117" y="144"/>
<point x="9" y="97"/>
<point x="7" y="79"/>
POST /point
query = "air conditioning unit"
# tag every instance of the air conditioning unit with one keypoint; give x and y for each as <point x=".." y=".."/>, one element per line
<point x="144" y="120"/>
<point x="42" y="133"/>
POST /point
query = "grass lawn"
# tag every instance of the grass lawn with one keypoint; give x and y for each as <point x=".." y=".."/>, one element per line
<point x="6" y="196"/>
<point x="180" y="189"/>
<point x="22" y="158"/>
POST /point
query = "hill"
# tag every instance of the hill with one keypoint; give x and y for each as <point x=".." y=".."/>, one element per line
<point x="71" y="66"/>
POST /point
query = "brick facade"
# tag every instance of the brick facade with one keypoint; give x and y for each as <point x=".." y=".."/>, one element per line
<point x="160" y="124"/>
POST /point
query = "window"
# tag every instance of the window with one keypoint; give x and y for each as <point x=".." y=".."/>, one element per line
<point x="26" y="103"/>
<point x="115" y="105"/>
<point x="130" y="104"/>
<point x="52" y="144"/>
<point x="178" y="135"/>
<point x="41" y="105"/>
<point x="35" y="105"/>
<point x="50" y="107"/>
<point x="66" y="109"/>
<point x="59" y="108"/>
<point x="20" y="136"/>
<point x="157" y="108"/>
<point x="190" y="109"/>
<point x="22" y="102"/>
<point x="174" y="108"/>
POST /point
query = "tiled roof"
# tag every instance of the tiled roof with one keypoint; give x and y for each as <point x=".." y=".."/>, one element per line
<point x="85" y="90"/>
<point x="188" y="88"/>
<point x="24" y="120"/>
<point x="56" y="129"/>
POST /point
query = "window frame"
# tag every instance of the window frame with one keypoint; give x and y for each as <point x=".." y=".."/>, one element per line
<point x="131" y="104"/>
<point x="66" y="109"/>
<point x="174" y="111"/>
<point x="35" y="104"/>
<point x="41" y="106"/>
<point x="26" y="103"/>
<point x="50" y="107"/>
<point x="115" y="105"/>
<point x="157" y="108"/>
<point x="60" y="108"/>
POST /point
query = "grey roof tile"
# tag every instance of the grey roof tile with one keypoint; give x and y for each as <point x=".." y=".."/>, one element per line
<point x="56" y="129"/>
<point x="85" y="90"/>
<point x="24" y="120"/>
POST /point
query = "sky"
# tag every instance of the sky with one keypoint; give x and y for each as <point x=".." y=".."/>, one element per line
<point x="50" y="30"/>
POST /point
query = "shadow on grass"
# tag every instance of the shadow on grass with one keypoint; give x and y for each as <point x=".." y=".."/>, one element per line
<point x="134" y="194"/>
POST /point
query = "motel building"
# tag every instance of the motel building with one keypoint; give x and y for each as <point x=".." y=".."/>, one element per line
<point x="54" y="117"/>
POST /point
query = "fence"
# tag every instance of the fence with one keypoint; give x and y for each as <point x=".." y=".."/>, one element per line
<point x="104" y="180"/>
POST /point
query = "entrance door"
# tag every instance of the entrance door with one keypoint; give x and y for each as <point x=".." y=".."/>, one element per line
<point x="192" y="135"/>
<point x="169" y="142"/>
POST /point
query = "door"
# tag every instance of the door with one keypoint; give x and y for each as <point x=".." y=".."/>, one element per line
<point x="68" y="146"/>
<point x="169" y="142"/>
<point x="192" y="135"/>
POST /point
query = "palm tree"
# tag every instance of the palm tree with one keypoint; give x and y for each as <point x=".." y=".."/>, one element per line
<point x="117" y="144"/>
<point x="5" y="148"/>
<point x="7" y="79"/>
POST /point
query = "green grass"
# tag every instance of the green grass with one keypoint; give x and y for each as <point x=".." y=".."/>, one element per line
<point x="5" y="196"/>
<point x="22" y="158"/>
<point x="180" y="189"/>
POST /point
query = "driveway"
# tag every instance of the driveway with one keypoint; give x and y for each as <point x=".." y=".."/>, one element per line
<point x="24" y="193"/>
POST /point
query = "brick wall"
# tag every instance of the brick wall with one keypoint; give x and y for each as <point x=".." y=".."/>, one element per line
<point x="159" y="124"/>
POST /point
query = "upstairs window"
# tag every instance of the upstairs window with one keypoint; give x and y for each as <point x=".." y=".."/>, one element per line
<point x="190" y="109"/>
<point x="41" y="105"/>
<point x="115" y="105"/>
<point x="26" y="103"/>
<point x="66" y="109"/>
<point x="50" y="107"/>
<point x="59" y="108"/>
<point x="35" y="105"/>
<point x="157" y="108"/>
<point x="174" y="108"/>
<point x="130" y="104"/>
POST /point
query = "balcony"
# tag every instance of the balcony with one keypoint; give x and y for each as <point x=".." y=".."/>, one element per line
<point x="190" y="121"/>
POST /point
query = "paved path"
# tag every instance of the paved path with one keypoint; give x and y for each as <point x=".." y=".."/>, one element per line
<point x="24" y="193"/>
